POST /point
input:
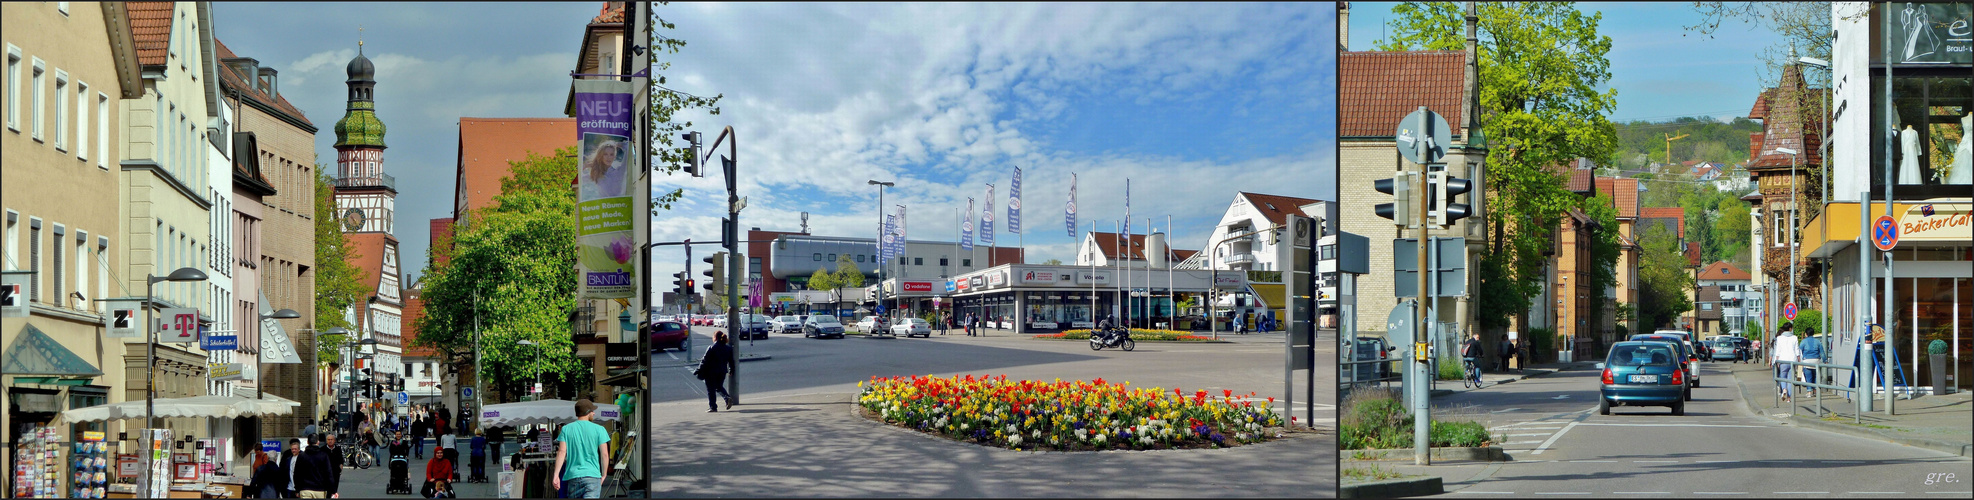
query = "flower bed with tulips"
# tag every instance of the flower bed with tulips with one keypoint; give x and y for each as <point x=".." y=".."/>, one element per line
<point x="1137" y="334"/>
<point x="1067" y="415"/>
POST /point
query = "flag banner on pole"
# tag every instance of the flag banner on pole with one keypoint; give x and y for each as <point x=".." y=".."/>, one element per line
<point x="898" y="248"/>
<point x="966" y="228"/>
<point x="275" y="348"/>
<point x="605" y="245"/>
<point x="987" y="218"/>
<point x="1069" y="210"/>
<point x="1014" y="203"/>
<point x="889" y="246"/>
<point x="1127" y="207"/>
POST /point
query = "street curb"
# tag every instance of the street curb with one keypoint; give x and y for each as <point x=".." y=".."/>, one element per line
<point x="1393" y="488"/>
<point x="1813" y="422"/>
<point x="1529" y="373"/>
<point x="1471" y="454"/>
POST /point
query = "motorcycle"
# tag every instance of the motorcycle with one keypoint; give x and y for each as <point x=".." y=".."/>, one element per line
<point x="1112" y="337"/>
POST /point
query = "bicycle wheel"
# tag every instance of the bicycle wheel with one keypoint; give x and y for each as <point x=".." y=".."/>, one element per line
<point x="363" y="460"/>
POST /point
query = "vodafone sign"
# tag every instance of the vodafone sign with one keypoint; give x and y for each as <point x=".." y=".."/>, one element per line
<point x="918" y="286"/>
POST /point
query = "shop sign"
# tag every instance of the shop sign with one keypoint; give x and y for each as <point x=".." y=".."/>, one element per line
<point x="216" y="341"/>
<point x="978" y="281"/>
<point x="225" y="371"/>
<point x="1092" y="277"/>
<point x="1929" y="33"/>
<point x="620" y="354"/>
<point x="1937" y="222"/>
<point x="1226" y="281"/>
<point x="997" y="279"/>
<point x="178" y="325"/>
<point x="918" y="286"/>
<point x="963" y="284"/>
<point x="1038" y="277"/>
<point x="951" y="286"/>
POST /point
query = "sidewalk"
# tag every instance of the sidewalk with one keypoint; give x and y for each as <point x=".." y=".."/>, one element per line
<point x="370" y="483"/>
<point x="1491" y="379"/>
<point x="1940" y="423"/>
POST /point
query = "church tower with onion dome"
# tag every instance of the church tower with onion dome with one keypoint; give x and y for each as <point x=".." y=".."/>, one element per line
<point x="366" y="205"/>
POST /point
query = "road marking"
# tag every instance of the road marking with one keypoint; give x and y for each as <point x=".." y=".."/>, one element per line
<point x="1593" y="461"/>
<point x="1641" y="492"/>
<point x="1949" y="492"/>
<point x="1563" y="493"/>
<point x="1720" y="492"/>
<point x="1877" y="493"/>
<point x="1715" y="461"/>
<point x="1487" y="492"/>
<point x="1524" y="442"/>
<point x="1802" y="492"/>
<point x="1654" y="461"/>
<point x="1670" y="425"/>
<point x="1553" y="437"/>
<point x="1784" y="461"/>
<point x="1527" y="435"/>
<point x="1561" y="396"/>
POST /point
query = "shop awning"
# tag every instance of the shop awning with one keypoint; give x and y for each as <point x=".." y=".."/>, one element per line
<point x="36" y="354"/>
<point x="196" y="406"/>
<point x="547" y="411"/>
<point x="1945" y="220"/>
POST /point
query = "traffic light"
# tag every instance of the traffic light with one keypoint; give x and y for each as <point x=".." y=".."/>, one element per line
<point x="717" y="272"/>
<point x="692" y="154"/>
<point x="1400" y="209"/>
<point x="681" y="284"/>
<point x="1445" y="187"/>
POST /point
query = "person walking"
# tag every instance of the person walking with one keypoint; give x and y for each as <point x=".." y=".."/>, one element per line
<point x="288" y="458"/>
<point x="419" y="428"/>
<point x="1786" y="350"/>
<point x="713" y="367"/>
<point x="268" y="479"/>
<point x="498" y="436"/>
<point x="448" y="442"/>
<point x="438" y="474"/>
<point x="479" y="460"/>
<point x="1811" y="348"/>
<point x="583" y="454"/>
<point x="316" y="473"/>
<point x="1507" y="353"/>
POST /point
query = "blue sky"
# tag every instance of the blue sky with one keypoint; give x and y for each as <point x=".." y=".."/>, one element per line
<point x="1660" y="69"/>
<point x="1193" y="102"/>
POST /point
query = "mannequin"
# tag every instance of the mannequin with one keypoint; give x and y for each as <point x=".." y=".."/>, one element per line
<point x="1961" y="173"/>
<point x="1909" y="162"/>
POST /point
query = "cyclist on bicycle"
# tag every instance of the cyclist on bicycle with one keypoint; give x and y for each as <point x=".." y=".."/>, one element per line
<point x="1471" y="352"/>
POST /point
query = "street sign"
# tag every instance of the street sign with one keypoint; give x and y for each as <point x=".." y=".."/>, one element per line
<point x="216" y="341"/>
<point x="270" y="445"/>
<point x="1885" y="233"/>
<point x="1423" y="136"/>
<point x="1450" y="273"/>
<point x="178" y="325"/>
<point x="404" y="398"/>
<point x="1789" y="311"/>
<point x="466" y="392"/>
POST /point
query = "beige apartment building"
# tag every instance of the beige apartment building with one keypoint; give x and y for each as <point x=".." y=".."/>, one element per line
<point x="68" y="66"/>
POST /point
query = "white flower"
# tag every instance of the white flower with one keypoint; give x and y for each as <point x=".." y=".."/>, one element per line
<point x="965" y="426"/>
<point x="1037" y="434"/>
<point x="1146" y="440"/>
<point x="1013" y="430"/>
<point x="1014" y="440"/>
<point x="1100" y="438"/>
<point x="1082" y="433"/>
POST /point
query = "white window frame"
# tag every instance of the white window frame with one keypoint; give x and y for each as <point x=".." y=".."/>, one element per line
<point x="13" y="88"/>
<point x="82" y="267"/>
<point x="61" y="110"/>
<point x="62" y="7"/>
<point x="34" y="259"/>
<point x="82" y="121"/>
<point x="13" y="241"/>
<point x="102" y="131"/>
<point x="58" y="267"/>
<point x="40" y="97"/>
<point x="103" y="272"/>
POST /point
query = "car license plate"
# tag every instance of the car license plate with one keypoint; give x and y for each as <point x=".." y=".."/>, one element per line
<point x="1643" y="379"/>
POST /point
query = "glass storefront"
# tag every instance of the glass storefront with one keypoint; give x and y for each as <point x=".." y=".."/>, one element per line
<point x="1929" y="309"/>
<point x="1930" y="154"/>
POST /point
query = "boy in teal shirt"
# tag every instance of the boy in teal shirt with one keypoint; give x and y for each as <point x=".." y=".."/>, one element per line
<point x="583" y="454"/>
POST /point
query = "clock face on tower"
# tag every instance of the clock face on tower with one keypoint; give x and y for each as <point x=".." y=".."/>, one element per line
<point x="353" y="219"/>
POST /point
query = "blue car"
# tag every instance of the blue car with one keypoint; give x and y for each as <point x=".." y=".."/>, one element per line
<point x="1643" y="374"/>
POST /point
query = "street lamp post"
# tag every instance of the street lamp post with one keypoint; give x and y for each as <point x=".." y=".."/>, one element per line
<point x="151" y="344"/>
<point x="880" y="238"/>
<point x="1795" y="211"/>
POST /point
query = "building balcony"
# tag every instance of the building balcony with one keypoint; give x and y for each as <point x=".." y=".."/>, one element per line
<point x="1240" y="259"/>
<point x="380" y="180"/>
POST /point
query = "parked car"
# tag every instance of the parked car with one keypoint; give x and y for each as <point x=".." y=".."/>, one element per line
<point x="719" y="321"/>
<point x="1371" y="348"/>
<point x="668" y="335"/>
<point x="1643" y="374"/>
<point x="911" y="327"/>
<point x="785" y="324"/>
<point x="1722" y="350"/>
<point x="753" y="326"/>
<point x="867" y="324"/>
<point x="1687" y="358"/>
<point x="819" y="326"/>
<point x="1685" y="337"/>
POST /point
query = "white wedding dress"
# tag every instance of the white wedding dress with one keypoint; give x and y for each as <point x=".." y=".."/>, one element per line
<point x="1909" y="163"/>
<point x="1963" y="174"/>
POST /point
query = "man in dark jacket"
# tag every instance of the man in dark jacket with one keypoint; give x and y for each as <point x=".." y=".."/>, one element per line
<point x="288" y="458"/>
<point x="419" y="428"/>
<point x="713" y="367"/>
<point x="316" y="472"/>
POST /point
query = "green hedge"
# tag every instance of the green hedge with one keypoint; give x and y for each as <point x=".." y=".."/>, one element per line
<point x="1375" y="419"/>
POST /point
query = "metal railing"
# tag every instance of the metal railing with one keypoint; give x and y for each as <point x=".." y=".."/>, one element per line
<point x="1822" y="373"/>
<point x="1349" y="371"/>
<point x="385" y="180"/>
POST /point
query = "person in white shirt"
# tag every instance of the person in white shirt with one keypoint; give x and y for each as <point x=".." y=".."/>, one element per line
<point x="1785" y="350"/>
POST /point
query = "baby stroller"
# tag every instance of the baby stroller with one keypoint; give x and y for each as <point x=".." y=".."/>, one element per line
<point x="400" y="475"/>
<point x="479" y="468"/>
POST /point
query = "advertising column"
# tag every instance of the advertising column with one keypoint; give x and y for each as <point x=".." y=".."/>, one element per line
<point x="605" y="246"/>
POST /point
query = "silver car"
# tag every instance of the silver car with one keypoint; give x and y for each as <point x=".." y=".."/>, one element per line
<point x="911" y="327"/>
<point x="785" y="324"/>
<point x="821" y="326"/>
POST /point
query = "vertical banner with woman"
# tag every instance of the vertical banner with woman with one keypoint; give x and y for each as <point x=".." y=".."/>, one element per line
<point x="605" y="244"/>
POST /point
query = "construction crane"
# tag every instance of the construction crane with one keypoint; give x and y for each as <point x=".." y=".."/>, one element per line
<point x="1669" y="139"/>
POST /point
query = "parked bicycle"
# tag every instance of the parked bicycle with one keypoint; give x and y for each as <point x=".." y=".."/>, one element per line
<point x="355" y="456"/>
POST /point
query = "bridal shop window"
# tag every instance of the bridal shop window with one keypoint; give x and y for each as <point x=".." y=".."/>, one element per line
<point x="1932" y="100"/>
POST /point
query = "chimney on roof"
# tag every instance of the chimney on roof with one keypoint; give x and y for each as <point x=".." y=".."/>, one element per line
<point x="267" y="83"/>
<point x="1343" y="26"/>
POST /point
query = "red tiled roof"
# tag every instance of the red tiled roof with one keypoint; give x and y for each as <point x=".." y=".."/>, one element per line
<point x="1624" y="195"/>
<point x="1107" y="244"/>
<point x="414" y="309"/>
<point x="613" y="12"/>
<point x="368" y="251"/>
<point x="1377" y="89"/>
<point x="1724" y="271"/>
<point x="1783" y="126"/>
<point x="486" y="145"/>
<point x="1276" y="207"/>
<point x="150" y="27"/>
<point x="235" y="81"/>
<point x="1674" y="213"/>
<point x="1693" y="254"/>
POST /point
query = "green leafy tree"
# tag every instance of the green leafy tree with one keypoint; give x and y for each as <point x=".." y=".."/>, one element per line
<point x="1604" y="252"/>
<point x="1663" y="278"/>
<point x="513" y="269"/>
<point x="666" y="104"/>
<point x="1052" y="262"/>
<point x="823" y="280"/>
<point x="338" y="284"/>
<point x="1541" y="68"/>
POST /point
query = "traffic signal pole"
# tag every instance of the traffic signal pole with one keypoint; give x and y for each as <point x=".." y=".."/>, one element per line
<point x="1422" y="407"/>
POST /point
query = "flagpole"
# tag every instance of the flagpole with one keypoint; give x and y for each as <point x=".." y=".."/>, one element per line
<point x="1172" y="305"/>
